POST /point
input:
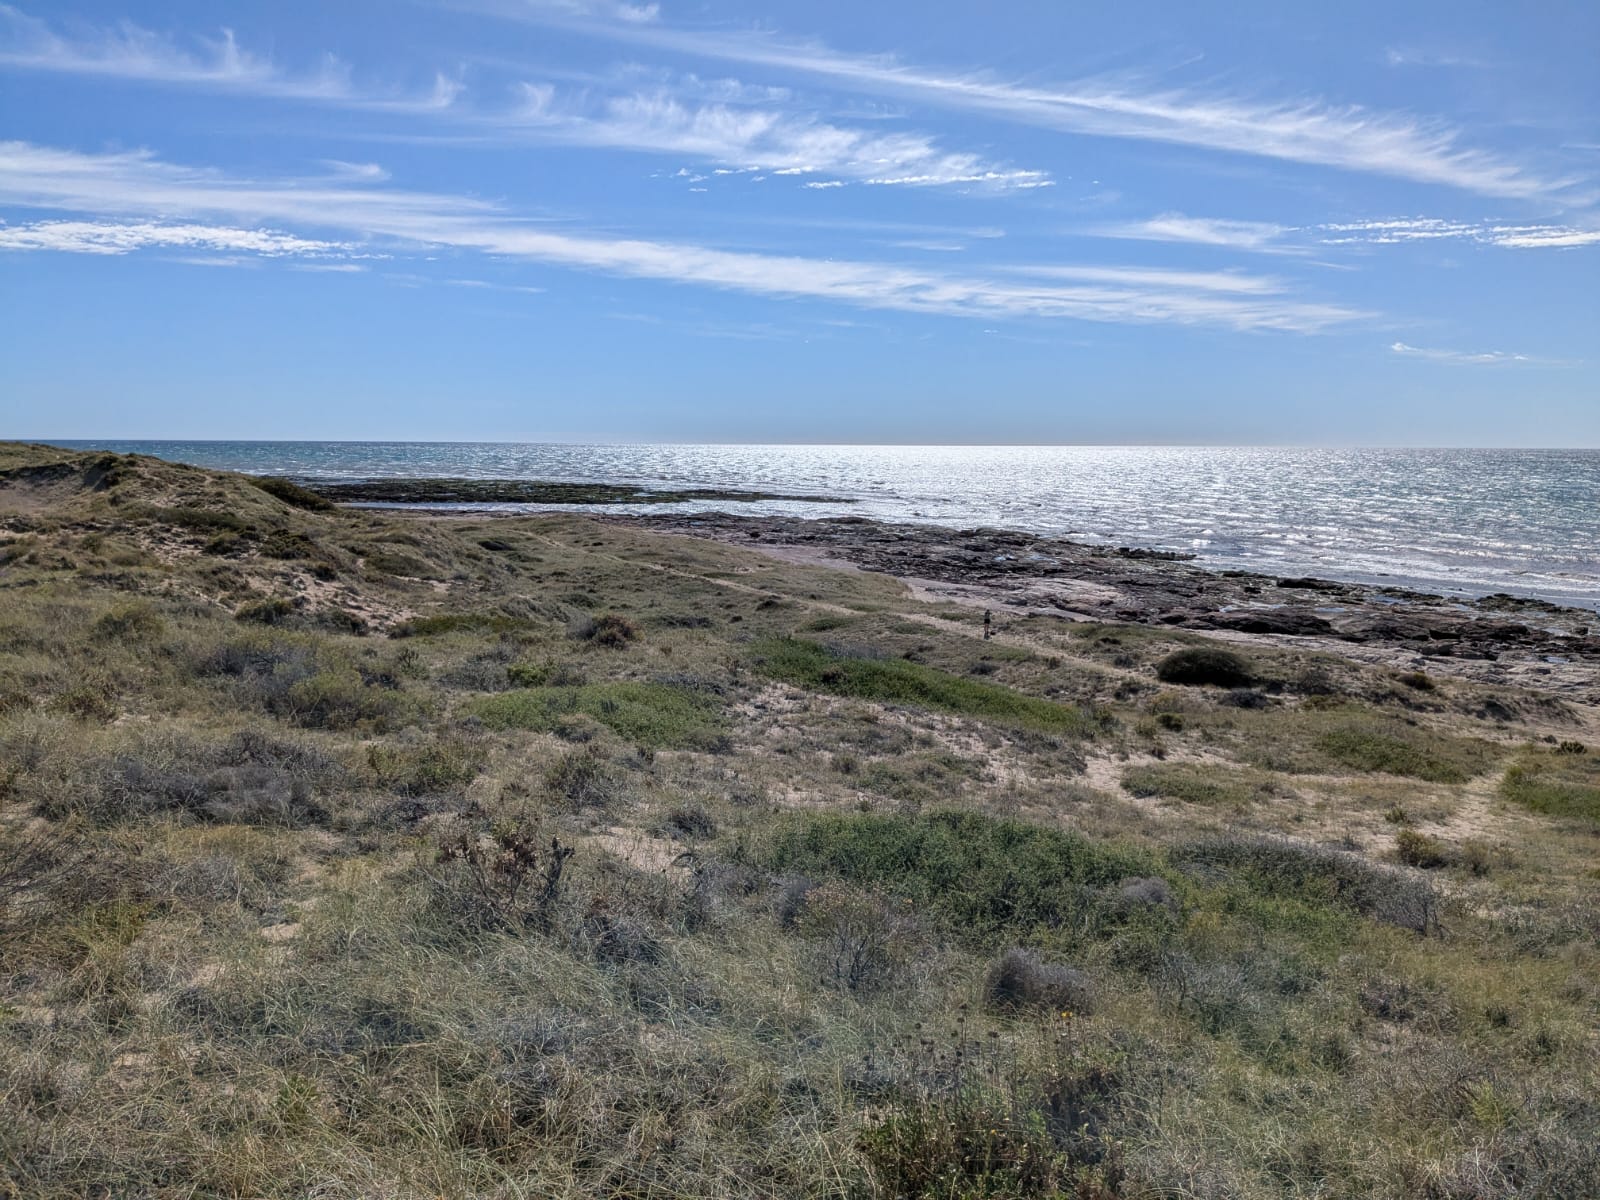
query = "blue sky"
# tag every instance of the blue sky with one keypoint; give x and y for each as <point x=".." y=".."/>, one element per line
<point x="592" y="219"/>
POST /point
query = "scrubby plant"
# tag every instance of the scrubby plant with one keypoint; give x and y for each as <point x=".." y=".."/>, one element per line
<point x="585" y="778"/>
<point x="269" y="611"/>
<point x="820" y="668"/>
<point x="975" y="873"/>
<point x="864" y="938"/>
<point x="291" y="493"/>
<point x="1205" y="666"/>
<point x="502" y="879"/>
<point x="649" y="714"/>
<point x="1318" y="876"/>
<point x="135" y="622"/>
<point x="1558" y="785"/>
<point x="612" y="630"/>
<point x="1020" y="979"/>
<point x="1417" y="849"/>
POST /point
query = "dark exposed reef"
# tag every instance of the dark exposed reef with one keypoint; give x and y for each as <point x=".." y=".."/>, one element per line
<point x="1025" y="572"/>
<point x="424" y="492"/>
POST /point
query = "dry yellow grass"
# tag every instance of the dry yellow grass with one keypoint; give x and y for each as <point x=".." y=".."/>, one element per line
<point x="339" y="858"/>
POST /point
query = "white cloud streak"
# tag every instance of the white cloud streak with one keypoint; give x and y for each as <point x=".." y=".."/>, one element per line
<point x="103" y="237"/>
<point x="1309" y="131"/>
<point x="748" y="137"/>
<point x="1471" y="358"/>
<point x="138" y="186"/>
<point x="1392" y="231"/>
<point x="1388" y="231"/>
<point x="217" y="64"/>
<point x="721" y="121"/>
<point x="1201" y="231"/>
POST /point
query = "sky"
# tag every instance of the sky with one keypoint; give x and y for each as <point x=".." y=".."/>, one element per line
<point x="1052" y="222"/>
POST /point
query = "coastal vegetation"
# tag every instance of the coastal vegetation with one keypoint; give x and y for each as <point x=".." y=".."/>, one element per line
<point x="348" y="852"/>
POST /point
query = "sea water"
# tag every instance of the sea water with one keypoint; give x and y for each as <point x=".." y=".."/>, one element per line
<point x="1460" y="522"/>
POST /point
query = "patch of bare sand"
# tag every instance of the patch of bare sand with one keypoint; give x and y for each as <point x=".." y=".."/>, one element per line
<point x="645" y="851"/>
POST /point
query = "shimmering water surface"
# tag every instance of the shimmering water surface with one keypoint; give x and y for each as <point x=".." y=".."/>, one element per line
<point x="1464" y="522"/>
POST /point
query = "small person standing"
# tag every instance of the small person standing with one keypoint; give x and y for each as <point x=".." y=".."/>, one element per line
<point x="988" y="623"/>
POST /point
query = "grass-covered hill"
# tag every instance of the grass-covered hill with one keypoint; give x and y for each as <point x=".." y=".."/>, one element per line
<point x="359" y="854"/>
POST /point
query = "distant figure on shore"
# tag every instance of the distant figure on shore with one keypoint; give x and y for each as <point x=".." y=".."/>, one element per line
<point x="988" y="624"/>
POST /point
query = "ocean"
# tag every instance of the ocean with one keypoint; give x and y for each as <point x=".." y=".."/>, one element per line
<point x="1458" y="522"/>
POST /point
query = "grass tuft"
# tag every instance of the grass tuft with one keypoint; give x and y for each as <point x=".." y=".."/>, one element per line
<point x="897" y="681"/>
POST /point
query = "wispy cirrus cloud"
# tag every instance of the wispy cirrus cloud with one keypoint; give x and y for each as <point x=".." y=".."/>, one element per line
<point x="1390" y="231"/>
<point x="720" y="121"/>
<point x="1384" y="231"/>
<point x="1476" y="358"/>
<point x="127" y="51"/>
<point x="112" y="237"/>
<point x="756" y="137"/>
<point x="1302" y="130"/>
<point x="138" y="188"/>
<point x="1201" y="231"/>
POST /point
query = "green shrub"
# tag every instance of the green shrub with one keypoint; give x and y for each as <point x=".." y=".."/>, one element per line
<point x="1205" y="666"/>
<point x="291" y="493"/>
<point x="1020" y="979"/>
<point x="894" y="680"/>
<point x="398" y="563"/>
<point x="977" y="874"/>
<point x="608" y="629"/>
<point x="270" y="611"/>
<point x="1565" y="786"/>
<point x="1209" y="785"/>
<point x="1277" y="868"/>
<point x="465" y="622"/>
<point x="444" y="765"/>
<point x="1419" y="850"/>
<point x="1363" y="747"/>
<point x="530" y="675"/>
<point x="649" y="714"/>
<point x="135" y="622"/>
<point x="204" y="520"/>
<point x="1342" y="736"/>
<point x="585" y="778"/>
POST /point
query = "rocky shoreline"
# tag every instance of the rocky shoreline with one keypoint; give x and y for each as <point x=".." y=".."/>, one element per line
<point x="1497" y="637"/>
<point x="451" y="491"/>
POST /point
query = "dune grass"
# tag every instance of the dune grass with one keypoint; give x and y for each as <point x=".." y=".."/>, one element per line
<point x="647" y="714"/>
<point x="290" y="906"/>
<point x="812" y="665"/>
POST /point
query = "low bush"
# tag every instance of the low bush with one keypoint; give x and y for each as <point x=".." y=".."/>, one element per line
<point x="203" y="520"/>
<point x="443" y="765"/>
<point x="1205" y="666"/>
<point x="654" y="715"/>
<point x="1342" y="736"/>
<point x="978" y="875"/>
<point x="610" y="629"/>
<point x="897" y="681"/>
<point x="1316" y="876"/>
<point x="310" y="682"/>
<point x="1362" y="747"/>
<point x="271" y="611"/>
<point x="1020" y="979"/>
<point x="135" y="622"/>
<point x="440" y="624"/>
<point x="1419" y="850"/>
<point x="397" y="563"/>
<point x="585" y="778"/>
<point x="864" y="939"/>
<point x="503" y="880"/>
<point x="1558" y="785"/>
<point x="1208" y="785"/>
<point x="290" y="493"/>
